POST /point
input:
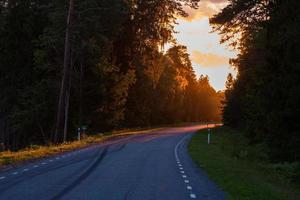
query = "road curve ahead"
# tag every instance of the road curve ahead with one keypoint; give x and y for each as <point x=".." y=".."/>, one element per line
<point x="153" y="166"/>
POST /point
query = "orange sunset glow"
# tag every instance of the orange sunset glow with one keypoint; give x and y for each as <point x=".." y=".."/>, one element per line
<point x="209" y="57"/>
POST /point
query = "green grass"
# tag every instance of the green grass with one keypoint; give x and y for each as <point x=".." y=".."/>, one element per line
<point x="235" y="167"/>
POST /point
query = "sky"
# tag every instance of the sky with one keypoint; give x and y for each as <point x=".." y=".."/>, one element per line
<point x="209" y="57"/>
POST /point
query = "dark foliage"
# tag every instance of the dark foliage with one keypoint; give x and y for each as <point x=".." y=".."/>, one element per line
<point x="265" y="98"/>
<point x="120" y="76"/>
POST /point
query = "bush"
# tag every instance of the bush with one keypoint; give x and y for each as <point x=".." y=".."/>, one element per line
<point x="288" y="171"/>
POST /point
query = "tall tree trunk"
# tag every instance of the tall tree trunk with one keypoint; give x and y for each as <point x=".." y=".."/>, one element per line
<point x="67" y="103"/>
<point x="62" y="112"/>
<point x="80" y="95"/>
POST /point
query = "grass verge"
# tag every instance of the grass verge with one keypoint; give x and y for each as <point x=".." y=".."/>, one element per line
<point x="235" y="167"/>
<point x="36" y="152"/>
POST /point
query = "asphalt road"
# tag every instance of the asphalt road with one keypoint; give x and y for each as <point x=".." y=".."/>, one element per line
<point x="153" y="166"/>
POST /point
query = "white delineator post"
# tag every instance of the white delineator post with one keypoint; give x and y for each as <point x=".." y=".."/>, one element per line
<point x="208" y="136"/>
<point x="78" y="133"/>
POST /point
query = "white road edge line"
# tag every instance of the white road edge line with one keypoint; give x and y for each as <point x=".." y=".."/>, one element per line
<point x="176" y="147"/>
<point x="192" y="196"/>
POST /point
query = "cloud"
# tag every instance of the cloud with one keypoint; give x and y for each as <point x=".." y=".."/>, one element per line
<point x="209" y="59"/>
<point x="207" y="8"/>
<point x="216" y="1"/>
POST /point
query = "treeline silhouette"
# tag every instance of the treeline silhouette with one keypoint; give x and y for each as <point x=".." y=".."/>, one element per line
<point x="102" y="61"/>
<point x="264" y="99"/>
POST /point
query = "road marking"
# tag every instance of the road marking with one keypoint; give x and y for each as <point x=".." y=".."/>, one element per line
<point x="14" y="173"/>
<point x="44" y="163"/>
<point x="25" y="170"/>
<point x="176" y="147"/>
<point x="51" y="160"/>
<point x="57" y="158"/>
<point x="35" y="166"/>
<point x="192" y="196"/>
<point x="2" y="177"/>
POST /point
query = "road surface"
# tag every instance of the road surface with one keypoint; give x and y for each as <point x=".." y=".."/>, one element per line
<point x="153" y="166"/>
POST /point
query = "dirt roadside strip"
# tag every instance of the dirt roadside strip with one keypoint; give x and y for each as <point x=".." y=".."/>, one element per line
<point x="9" y="160"/>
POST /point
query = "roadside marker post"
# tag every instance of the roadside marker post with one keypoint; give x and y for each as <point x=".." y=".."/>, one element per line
<point x="208" y="136"/>
<point x="78" y="134"/>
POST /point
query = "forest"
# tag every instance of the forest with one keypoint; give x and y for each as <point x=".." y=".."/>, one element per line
<point x="102" y="64"/>
<point x="264" y="98"/>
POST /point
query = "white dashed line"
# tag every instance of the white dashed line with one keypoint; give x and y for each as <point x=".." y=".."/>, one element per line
<point x="35" y="166"/>
<point x="14" y="173"/>
<point x="50" y="160"/>
<point x="2" y="177"/>
<point x="192" y="196"/>
<point x="25" y="170"/>
<point x="44" y="163"/>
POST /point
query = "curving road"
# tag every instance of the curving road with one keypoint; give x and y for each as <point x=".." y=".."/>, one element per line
<point x="153" y="166"/>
